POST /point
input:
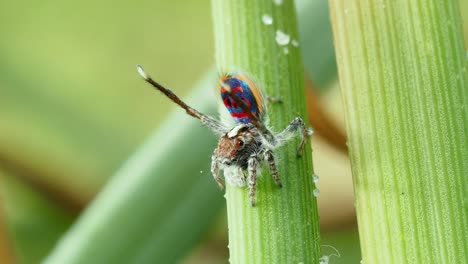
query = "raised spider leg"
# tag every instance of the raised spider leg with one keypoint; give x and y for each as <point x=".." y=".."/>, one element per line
<point x="208" y="121"/>
<point x="270" y="158"/>
<point x="252" y="168"/>
<point x="289" y="131"/>
<point x="215" y="172"/>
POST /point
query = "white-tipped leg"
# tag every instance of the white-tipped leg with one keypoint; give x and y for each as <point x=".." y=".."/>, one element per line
<point x="288" y="133"/>
<point x="213" y="124"/>
<point x="272" y="165"/>
<point x="215" y="172"/>
<point x="252" y="168"/>
<point x="142" y="72"/>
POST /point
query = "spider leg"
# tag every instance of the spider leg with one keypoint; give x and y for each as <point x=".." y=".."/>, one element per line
<point x="289" y="131"/>
<point x="252" y="168"/>
<point x="208" y="121"/>
<point x="215" y="172"/>
<point x="272" y="165"/>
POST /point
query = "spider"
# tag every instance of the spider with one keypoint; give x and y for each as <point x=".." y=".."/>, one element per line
<point x="244" y="147"/>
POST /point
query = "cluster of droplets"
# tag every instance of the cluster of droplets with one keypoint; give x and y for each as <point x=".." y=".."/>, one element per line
<point x="315" y="179"/>
<point x="282" y="39"/>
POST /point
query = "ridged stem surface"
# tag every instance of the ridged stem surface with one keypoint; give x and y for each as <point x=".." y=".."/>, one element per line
<point x="283" y="226"/>
<point x="403" y="75"/>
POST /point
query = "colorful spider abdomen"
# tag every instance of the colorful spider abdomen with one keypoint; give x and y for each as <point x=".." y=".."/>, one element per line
<point x="247" y="91"/>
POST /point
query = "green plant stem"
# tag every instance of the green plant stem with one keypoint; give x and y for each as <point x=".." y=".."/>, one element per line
<point x="403" y="73"/>
<point x="283" y="226"/>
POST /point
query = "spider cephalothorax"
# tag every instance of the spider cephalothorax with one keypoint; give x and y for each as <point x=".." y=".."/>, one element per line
<point x="244" y="148"/>
<point x="233" y="152"/>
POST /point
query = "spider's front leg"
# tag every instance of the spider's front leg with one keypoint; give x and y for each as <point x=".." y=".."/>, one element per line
<point x="215" y="172"/>
<point x="252" y="169"/>
<point x="289" y="131"/>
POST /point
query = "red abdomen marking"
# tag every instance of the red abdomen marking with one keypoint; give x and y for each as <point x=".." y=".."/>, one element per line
<point x="247" y="91"/>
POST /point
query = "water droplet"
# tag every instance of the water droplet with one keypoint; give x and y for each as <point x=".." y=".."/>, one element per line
<point x="295" y="43"/>
<point x="278" y="2"/>
<point x="315" y="178"/>
<point x="324" y="260"/>
<point x="201" y="172"/>
<point x="316" y="192"/>
<point x="267" y="20"/>
<point x="282" y="38"/>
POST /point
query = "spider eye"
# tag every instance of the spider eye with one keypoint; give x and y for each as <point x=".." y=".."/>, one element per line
<point x="241" y="143"/>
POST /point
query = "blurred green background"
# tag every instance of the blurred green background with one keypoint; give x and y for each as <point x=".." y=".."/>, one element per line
<point x="73" y="109"/>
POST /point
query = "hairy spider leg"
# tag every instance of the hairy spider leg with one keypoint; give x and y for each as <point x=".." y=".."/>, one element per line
<point x="215" y="172"/>
<point x="270" y="158"/>
<point x="289" y="131"/>
<point x="252" y="168"/>
<point x="208" y="121"/>
<point x="264" y="131"/>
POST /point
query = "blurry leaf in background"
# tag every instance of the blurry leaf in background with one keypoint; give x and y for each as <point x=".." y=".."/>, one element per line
<point x="72" y="107"/>
<point x="22" y="204"/>
<point x="317" y="44"/>
<point x="69" y="84"/>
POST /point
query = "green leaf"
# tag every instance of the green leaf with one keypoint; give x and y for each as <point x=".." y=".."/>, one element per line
<point x="33" y="220"/>
<point x="403" y="73"/>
